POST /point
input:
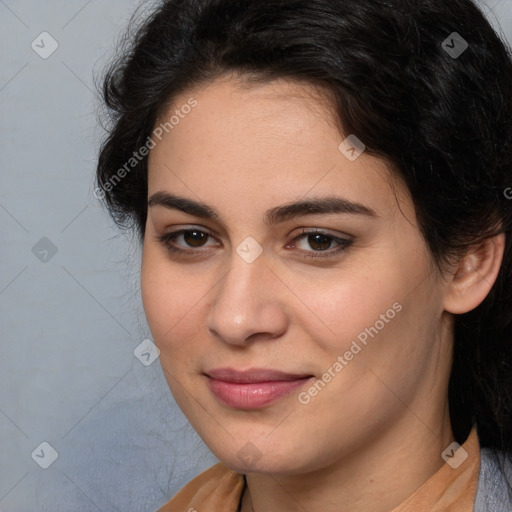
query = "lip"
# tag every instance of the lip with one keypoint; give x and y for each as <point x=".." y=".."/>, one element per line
<point x="253" y="388"/>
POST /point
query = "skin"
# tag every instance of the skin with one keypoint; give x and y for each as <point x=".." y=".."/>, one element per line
<point x="375" y="433"/>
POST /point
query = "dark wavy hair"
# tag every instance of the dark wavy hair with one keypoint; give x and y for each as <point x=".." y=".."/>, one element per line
<point x="442" y="121"/>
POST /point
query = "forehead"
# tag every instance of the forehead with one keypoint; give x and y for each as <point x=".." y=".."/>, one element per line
<point x="263" y="144"/>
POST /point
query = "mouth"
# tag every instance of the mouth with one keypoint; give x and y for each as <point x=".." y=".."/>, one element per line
<point x="253" y="388"/>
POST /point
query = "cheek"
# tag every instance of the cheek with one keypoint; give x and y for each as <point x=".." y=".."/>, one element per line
<point x="153" y="291"/>
<point x="165" y="296"/>
<point x="384" y="351"/>
<point x="382" y="321"/>
<point x="341" y="307"/>
<point x="173" y="300"/>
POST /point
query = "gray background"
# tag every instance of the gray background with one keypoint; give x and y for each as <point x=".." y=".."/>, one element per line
<point x="70" y="321"/>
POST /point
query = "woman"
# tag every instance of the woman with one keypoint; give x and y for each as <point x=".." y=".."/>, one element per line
<point x="319" y="187"/>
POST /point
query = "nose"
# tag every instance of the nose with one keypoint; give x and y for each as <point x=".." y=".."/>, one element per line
<point x="248" y="305"/>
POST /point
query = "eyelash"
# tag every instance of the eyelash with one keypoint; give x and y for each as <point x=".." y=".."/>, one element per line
<point x="168" y="238"/>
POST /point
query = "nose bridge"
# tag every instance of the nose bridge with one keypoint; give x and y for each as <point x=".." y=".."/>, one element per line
<point x="245" y="304"/>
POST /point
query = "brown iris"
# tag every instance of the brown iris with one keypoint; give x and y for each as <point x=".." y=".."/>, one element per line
<point x="195" y="238"/>
<point x="319" y="242"/>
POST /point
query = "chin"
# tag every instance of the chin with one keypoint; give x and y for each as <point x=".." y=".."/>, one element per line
<point x="262" y="456"/>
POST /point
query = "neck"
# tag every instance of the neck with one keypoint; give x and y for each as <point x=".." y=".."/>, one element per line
<point x="378" y="477"/>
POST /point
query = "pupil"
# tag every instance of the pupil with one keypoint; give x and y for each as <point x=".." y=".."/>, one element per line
<point x="321" y="242"/>
<point x="194" y="238"/>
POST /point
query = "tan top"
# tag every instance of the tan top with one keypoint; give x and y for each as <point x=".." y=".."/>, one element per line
<point x="450" y="489"/>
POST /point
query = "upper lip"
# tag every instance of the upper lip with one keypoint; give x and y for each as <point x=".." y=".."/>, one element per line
<point x="252" y="375"/>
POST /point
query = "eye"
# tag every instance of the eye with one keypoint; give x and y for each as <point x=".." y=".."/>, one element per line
<point x="311" y="244"/>
<point x="321" y="243"/>
<point x="191" y="238"/>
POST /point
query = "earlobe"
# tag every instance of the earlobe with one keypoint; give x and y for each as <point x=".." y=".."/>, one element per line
<point x="474" y="276"/>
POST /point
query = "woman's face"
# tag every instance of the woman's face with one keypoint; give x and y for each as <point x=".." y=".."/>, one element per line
<point x="300" y="258"/>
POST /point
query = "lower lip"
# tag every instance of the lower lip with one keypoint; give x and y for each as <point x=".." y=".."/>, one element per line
<point x="253" y="395"/>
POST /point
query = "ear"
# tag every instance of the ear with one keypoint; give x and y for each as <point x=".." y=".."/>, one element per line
<point x="474" y="276"/>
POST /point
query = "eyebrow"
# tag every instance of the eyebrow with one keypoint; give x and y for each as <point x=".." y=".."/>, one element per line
<point x="311" y="206"/>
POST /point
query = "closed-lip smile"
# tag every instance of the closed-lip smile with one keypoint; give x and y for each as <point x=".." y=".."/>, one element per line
<point x="253" y="388"/>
